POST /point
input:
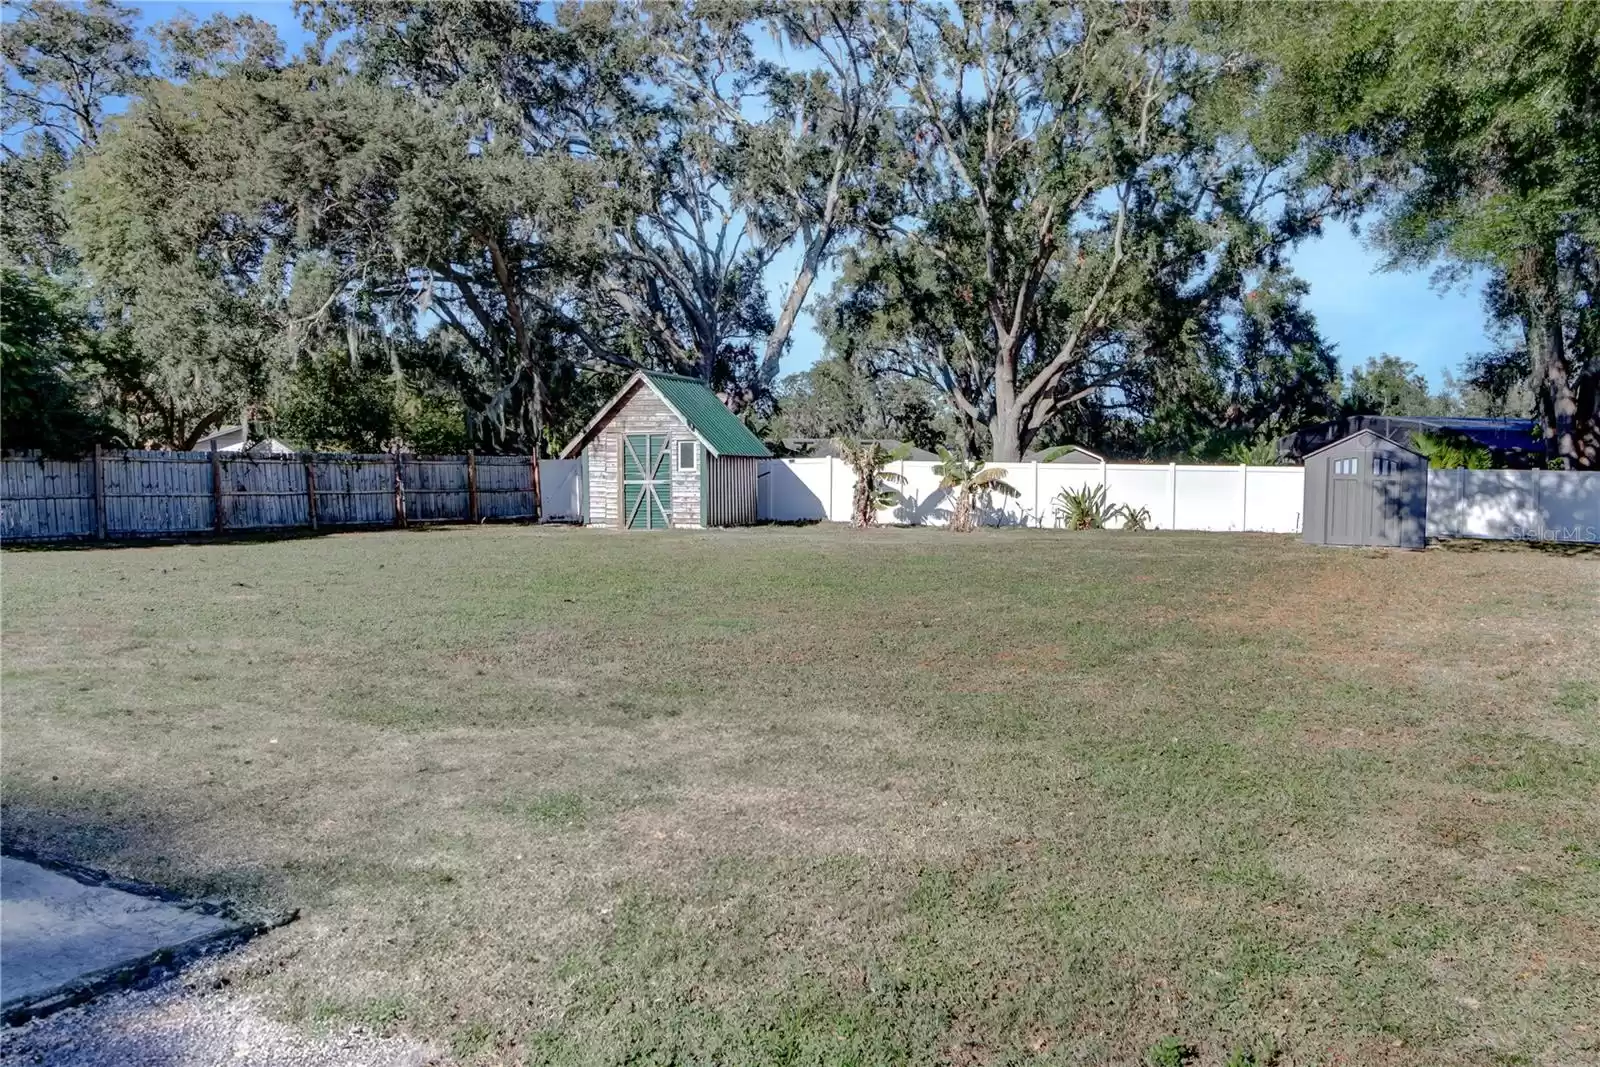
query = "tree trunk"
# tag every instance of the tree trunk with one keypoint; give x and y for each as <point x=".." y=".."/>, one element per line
<point x="1005" y="436"/>
<point x="1547" y="351"/>
<point x="1588" y="422"/>
<point x="786" y="318"/>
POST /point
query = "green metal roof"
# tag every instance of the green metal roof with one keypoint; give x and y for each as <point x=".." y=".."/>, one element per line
<point x="700" y="408"/>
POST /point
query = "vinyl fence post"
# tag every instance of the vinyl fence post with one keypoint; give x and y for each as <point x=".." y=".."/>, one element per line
<point x="1244" y="496"/>
<point x="472" y="486"/>
<point x="99" y="493"/>
<point x="1172" y="487"/>
<point x="216" y="489"/>
<point x="828" y="511"/>
<point x="1038" y="505"/>
<point x="311" y="491"/>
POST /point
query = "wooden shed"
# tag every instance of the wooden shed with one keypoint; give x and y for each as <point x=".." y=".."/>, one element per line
<point x="1366" y="490"/>
<point x="666" y="452"/>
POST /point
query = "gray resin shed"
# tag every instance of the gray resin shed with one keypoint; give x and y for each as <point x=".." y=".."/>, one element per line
<point x="1366" y="490"/>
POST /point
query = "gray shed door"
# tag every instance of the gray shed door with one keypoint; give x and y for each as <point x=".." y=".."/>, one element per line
<point x="1386" y="491"/>
<point x="1347" y="505"/>
<point x="1365" y="500"/>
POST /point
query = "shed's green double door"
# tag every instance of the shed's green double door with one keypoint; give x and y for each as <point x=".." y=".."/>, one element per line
<point x="646" y="481"/>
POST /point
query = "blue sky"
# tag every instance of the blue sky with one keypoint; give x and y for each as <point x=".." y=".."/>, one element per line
<point x="1362" y="310"/>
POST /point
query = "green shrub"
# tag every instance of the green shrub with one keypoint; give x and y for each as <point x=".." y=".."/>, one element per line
<point x="1084" y="508"/>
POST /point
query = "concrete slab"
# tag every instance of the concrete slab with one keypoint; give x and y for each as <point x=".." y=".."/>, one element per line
<point x="58" y="934"/>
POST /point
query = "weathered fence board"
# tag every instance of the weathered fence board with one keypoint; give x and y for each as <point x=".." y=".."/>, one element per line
<point x="263" y="492"/>
<point x="159" y="494"/>
<point x="46" y="498"/>
<point x="505" y="487"/>
<point x="354" y="490"/>
<point x="436" y="487"/>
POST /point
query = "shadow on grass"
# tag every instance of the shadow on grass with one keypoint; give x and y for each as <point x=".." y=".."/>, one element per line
<point x="1580" y="549"/>
<point x="87" y="844"/>
<point x="254" y="537"/>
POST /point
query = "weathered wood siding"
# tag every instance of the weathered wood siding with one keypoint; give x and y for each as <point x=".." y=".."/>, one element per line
<point x="164" y="494"/>
<point x="640" y="411"/>
<point x="731" y="490"/>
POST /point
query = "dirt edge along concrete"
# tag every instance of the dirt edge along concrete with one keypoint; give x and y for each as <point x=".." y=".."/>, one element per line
<point x="144" y="971"/>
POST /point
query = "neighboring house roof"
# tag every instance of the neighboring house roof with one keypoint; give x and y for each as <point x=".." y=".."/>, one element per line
<point x="824" y="447"/>
<point x="1499" y="435"/>
<point x="1072" y="454"/>
<point x="717" y="428"/>
<point x="231" y="439"/>
<point x="220" y="435"/>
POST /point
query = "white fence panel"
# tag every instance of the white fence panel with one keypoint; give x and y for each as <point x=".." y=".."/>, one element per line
<point x="1142" y="485"/>
<point x="1210" y="498"/>
<point x="1274" y="499"/>
<point x="800" y="490"/>
<point x="920" y="501"/>
<point x="1569" y="505"/>
<point x="1177" y="497"/>
<point x="1501" y="505"/>
<point x="561" y="486"/>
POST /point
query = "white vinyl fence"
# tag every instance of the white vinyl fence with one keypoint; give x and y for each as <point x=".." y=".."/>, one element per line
<point x="116" y="494"/>
<point x="1516" y="505"/>
<point x="1178" y="496"/>
<point x="1500" y="505"/>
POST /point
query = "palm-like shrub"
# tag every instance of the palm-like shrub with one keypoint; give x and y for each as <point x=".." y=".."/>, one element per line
<point x="1447" y="451"/>
<point x="868" y="461"/>
<point x="966" y="480"/>
<point x="1084" y="508"/>
<point x="1254" y="454"/>
<point x="1135" y="519"/>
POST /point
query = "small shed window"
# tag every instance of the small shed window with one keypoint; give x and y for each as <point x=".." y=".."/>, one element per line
<point x="1345" y="466"/>
<point x="1383" y="466"/>
<point x="688" y="455"/>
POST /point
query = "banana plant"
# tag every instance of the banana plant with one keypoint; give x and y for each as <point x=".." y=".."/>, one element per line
<point x="966" y="480"/>
<point x="869" y="461"/>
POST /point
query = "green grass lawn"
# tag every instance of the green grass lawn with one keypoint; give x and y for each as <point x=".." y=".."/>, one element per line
<point x="826" y="797"/>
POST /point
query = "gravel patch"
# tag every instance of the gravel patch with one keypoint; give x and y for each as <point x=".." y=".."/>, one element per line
<point x="184" y="1025"/>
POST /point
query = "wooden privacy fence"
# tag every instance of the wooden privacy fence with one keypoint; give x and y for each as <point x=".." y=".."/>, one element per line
<point x="156" y="494"/>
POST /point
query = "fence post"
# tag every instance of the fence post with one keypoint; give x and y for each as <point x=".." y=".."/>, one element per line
<point x="472" y="486"/>
<point x="216" y="488"/>
<point x="1172" y="489"/>
<point x="828" y="511"/>
<point x="311" y="490"/>
<point x="399" y="490"/>
<point x="534" y="484"/>
<point x="99" y="493"/>
<point x="1038" y="505"/>
<point x="1244" y="496"/>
